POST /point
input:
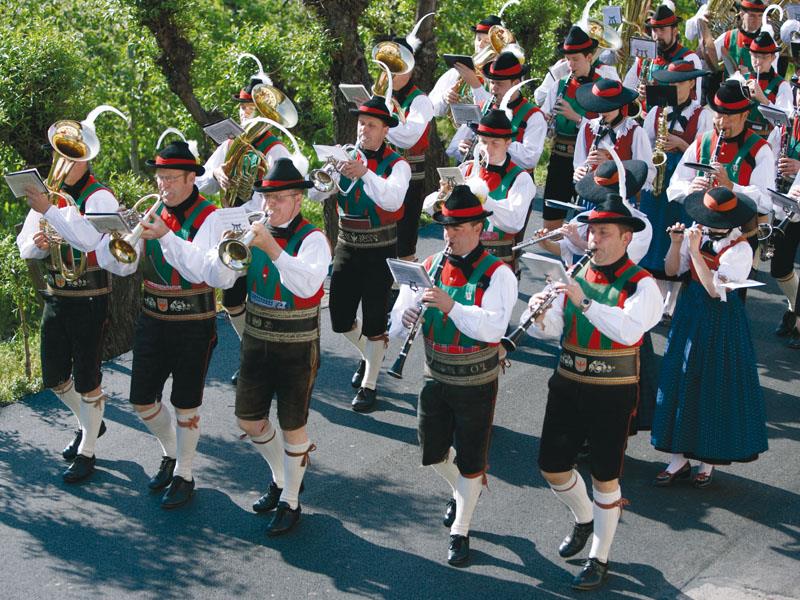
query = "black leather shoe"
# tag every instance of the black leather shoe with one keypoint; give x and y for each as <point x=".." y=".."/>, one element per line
<point x="593" y="575"/>
<point x="164" y="476"/>
<point x="666" y="478"/>
<point x="80" y="469"/>
<point x="787" y="325"/>
<point x="235" y="378"/>
<point x="794" y="341"/>
<point x="364" y="400"/>
<point x="358" y="376"/>
<point x="576" y="540"/>
<point x="284" y="520"/>
<point x="449" y="513"/>
<point x="178" y="493"/>
<point x="70" y="452"/>
<point x="458" y="551"/>
<point x="269" y="501"/>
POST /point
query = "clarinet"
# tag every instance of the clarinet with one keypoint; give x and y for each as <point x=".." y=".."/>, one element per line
<point x="511" y="341"/>
<point x="711" y="177"/>
<point x="551" y="119"/>
<point x="486" y="108"/>
<point x="397" y="368"/>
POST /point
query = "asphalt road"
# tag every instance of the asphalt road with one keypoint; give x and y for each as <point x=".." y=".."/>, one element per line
<point x="371" y="514"/>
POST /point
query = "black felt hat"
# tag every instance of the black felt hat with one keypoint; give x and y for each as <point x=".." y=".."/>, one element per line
<point x="731" y="98"/>
<point x="461" y="206"/>
<point x="764" y="43"/>
<point x="282" y="176"/>
<point x="604" y="95"/>
<point x="663" y="16"/>
<point x="246" y="93"/>
<point x="176" y="155"/>
<point x="612" y="210"/>
<point x="577" y="41"/>
<point x="751" y="5"/>
<point x="720" y="208"/>
<point x="495" y="124"/>
<point x="505" y="67"/>
<point x="376" y="107"/>
<point x="484" y="25"/>
<point x="680" y="70"/>
<point x="597" y="184"/>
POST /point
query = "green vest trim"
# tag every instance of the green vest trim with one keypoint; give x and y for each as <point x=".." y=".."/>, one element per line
<point x="732" y="168"/>
<point x="357" y="203"/>
<point x="500" y="192"/>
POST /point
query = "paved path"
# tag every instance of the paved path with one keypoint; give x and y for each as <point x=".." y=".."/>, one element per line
<point x="371" y="522"/>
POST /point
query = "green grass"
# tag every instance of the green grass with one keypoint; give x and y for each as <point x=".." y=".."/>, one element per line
<point x="13" y="383"/>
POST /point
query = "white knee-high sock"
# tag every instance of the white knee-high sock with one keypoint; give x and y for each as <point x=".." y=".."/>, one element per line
<point x="188" y="434"/>
<point x="466" y="493"/>
<point x="71" y="399"/>
<point x="92" y="408"/>
<point x="605" y="522"/>
<point x="159" y="422"/>
<point x="673" y="291"/>
<point x="573" y="494"/>
<point x="237" y="321"/>
<point x="295" y="463"/>
<point x="447" y="469"/>
<point x="374" y="352"/>
<point x="269" y="444"/>
<point x="354" y="337"/>
<point x="789" y="288"/>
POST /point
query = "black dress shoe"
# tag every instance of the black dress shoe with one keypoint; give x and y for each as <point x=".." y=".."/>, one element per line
<point x="666" y="478"/>
<point x="284" y="520"/>
<point x="593" y="575"/>
<point x="164" y="476"/>
<point x="80" y="469"/>
<point x="70" y="452"/>
<point x="364" y="400"/>
<point x="787" y="325"/>
<point x="178" y="493"/>
<point x="449" y="513"/>
<point x="358" y="376"/>
<point x="235" y="377"/>
<point x="458" y="551"/>
<point x="794" y="341"/>
<point x="576" y="540"/>
<point x="269" y="501"/>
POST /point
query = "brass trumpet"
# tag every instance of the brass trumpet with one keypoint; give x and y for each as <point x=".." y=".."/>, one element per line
<point x="125" y="248"/>
<point x="234" y="252"/>
<point x="324" y="179"/>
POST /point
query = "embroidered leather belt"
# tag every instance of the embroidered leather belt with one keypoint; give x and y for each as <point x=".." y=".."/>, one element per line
<point x="500" y="248"/>
<point x="94" y="282"/>
<point x="276" y="325"/>
<point x="564" y="145"/>
<point x="175" y="304"/>
<point x="417" y="164"/>
<point x="475" y="368"/>
<point x="359" y="233"/>
<point x="599" y="367"/>
<point x="759" y="128"/>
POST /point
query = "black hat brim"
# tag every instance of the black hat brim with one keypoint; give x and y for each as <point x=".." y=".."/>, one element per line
<point x="665" y="76"/>
<point x="236" y="98"/>
<point x="303" y="185"/>
<point x="523" y="71"/>
<point x="391" y="121"/>
<point x="738" y="6"/>
<point x="648" y="26"/>
<point x="591" y="48"/>
<point x="439" y="218"/>
<point x="634" y="223"/>
<point x="474" y="127"/>
<point x="597" y="104"/>
<point x="197" y="169"/>
<point x="635" y="176"/>
<point x="745" y="210"/>
<point x="717" y="108"/>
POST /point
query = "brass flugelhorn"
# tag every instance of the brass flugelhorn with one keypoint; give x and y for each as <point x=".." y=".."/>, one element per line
<point x="125" y="248"/>
<point x="234" y="252"/>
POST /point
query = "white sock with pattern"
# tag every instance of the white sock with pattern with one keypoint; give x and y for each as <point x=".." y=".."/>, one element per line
<point x="789" y="288"/>
<point x="238" y="320"/>
<point x="92" y="408"/>
<point x="447" y="469"/>
<point x="605" y="522"/>
<point x="374" y="352"/>
<point x="354" y="337"/>
<point x="295" y="463"/>
<point x="467" y="492"/>
<point x="71" y="399"/>
<point x="269" y="444"/>
<point x="188" y="434"/>
<point x="159" y="422"/>
<point x="574" y="495"/>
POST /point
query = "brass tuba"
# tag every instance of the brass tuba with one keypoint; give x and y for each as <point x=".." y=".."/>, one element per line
<point x="607" y="38"/>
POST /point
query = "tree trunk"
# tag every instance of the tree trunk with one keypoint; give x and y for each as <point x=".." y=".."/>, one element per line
<point x="126" y="302"/>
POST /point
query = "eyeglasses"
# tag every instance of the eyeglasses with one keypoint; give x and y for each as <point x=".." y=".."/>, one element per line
<point x="168" y="178"/>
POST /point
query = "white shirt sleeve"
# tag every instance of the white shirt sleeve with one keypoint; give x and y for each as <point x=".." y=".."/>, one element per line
<point x="557" y="71"/>
<point x="489" y="322"/>
<point x="607" y="72"/>
<point x="76" y="230"/>
<point x="650" y="125"/>
<point x="481" y="95"/>
<point x="526" y="153"/>
<point x="642" y="150"/>
<point x="27" y="249"/>
<point x="640" y="242"/>
<point x="734" y="265"/>
<point x="438" y="95"/>
<point x="106" y="260"/>
<point x="682" y="177"/>
<point x="189" y="258"/>
<point x="763" y="176"/>
<point x="405" y="299"/>
<point x="206" y="182"/>
<point x="420" y="113"/>
<point x="552" y="324"/>
<point x="510" y="212"/>
<point x="783" y="99"/>
<point x="388" y="193"/>
<point x="462" y="133"/>
<point x="579" y="157"/>
<point x="626" y="325"/>
<point x="305" y="273"/>
<point x="631" y="80"/>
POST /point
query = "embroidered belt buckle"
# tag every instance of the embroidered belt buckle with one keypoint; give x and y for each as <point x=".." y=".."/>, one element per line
<point x="175" y="304"/>
<point x="374" y="237"/>
<point x="94" y="282"/>
<point x="564" y="145"/>
<point x="276" y="325"/>
<point x="474" y="368"/>
<point x="599" y="367"/>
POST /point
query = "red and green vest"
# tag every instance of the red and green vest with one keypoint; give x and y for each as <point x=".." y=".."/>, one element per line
<point x="567" y="88"/>
<point x="90" y="187"/>
<point x="770" y="88"/>
<point x="739" y="160"/>
<point x="623" y="145"/>
<point x="358" y="204"/>
<point x="689" y="134"/>
<point x="578" y="330"/>
<point x="499" y="184"/>
<point x="712" y="260"/>
<point x="522" y="110"/>
<point x="660" y="63"/>
<point x="421" y="145"/>
<point x="157" y="270"/>
<point x="737" y="42"/>
<point x="264" y="281"/>
<point x="437" y="327"/>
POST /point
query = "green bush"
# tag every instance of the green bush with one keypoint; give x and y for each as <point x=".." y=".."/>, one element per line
<point x="14" y="384"/>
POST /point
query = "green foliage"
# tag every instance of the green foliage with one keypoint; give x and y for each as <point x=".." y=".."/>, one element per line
<point x="18" y="299"/>
<point x="14" y="384"/>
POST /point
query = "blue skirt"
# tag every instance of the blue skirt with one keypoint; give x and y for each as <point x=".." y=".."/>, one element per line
<point x="709" y="404"/>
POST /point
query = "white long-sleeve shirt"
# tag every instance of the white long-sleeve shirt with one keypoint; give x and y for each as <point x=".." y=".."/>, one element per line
<point x="444" y="84"/>
<point x="485" y="323"/>
<point x="704" y="122"/>
<point x="207" y="183"/>
<point x="763" y="176"/>
<point x="406" y="134"/>
<point x="637" y="249"/>
<point x="76" y="230"/>
<point x="560" y="70"/>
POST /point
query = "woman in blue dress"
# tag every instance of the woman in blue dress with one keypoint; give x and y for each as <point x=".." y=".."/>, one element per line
<point x="709" y="405"/>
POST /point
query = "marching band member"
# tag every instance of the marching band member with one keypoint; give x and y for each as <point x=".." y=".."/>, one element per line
<point x="510" y="188"/>
<point x="464" y="318"/>
<point x="176" y="331"/>
<point x="766" y="86"/>
<point x="710" y="406"/>
<point x="608" y="306"/>
<point x="612" y="128"/>
<point x="280" y="348"/>
<point x="734" y="43"/>
<point x="662" y="26"/>
<point x="564" y="115"/>
<point x="75" y="311"/>
<point x="684" y="122"/>
<point x="367" y="237"/>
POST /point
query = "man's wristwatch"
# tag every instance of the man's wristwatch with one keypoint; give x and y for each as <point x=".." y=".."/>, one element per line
<point x="585" y="304"/>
